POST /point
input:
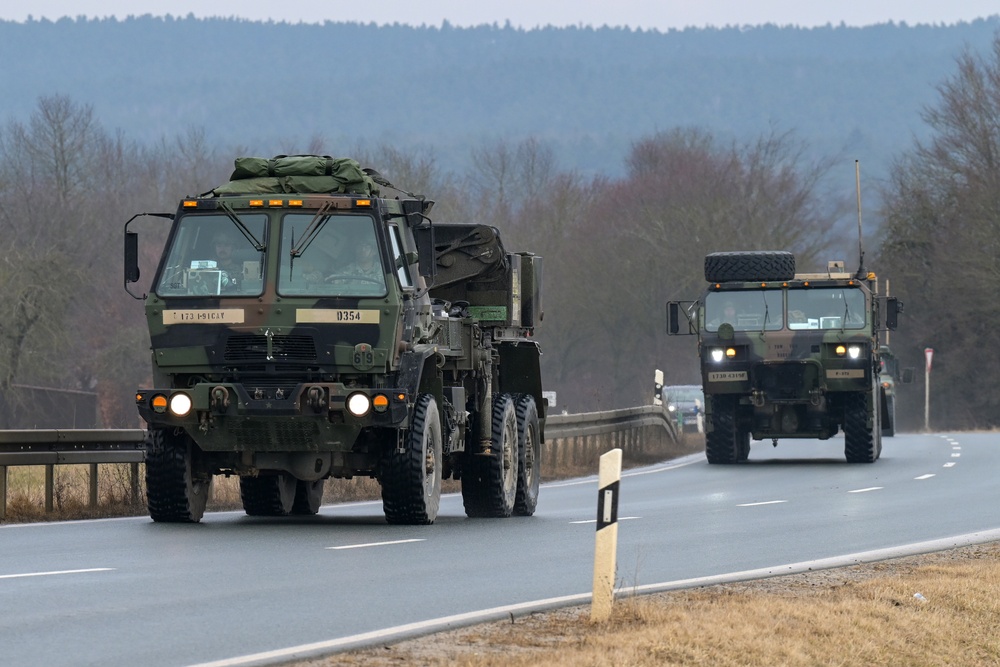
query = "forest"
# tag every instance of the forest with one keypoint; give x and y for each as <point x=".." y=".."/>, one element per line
<point x="617" y="244"/>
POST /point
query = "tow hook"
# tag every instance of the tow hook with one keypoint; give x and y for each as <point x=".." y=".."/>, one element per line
<point x="757" y="398"/>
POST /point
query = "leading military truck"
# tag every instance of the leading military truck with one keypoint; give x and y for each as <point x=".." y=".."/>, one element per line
<point x="306" y="327"/>
<point x="788" y="355"/>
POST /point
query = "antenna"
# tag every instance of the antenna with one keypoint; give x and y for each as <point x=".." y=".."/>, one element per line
<point x="861" y="251"/>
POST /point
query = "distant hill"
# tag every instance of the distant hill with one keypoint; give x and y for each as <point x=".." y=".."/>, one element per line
<point x="267" y="87"/>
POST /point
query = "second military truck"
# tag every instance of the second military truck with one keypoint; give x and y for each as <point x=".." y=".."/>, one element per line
<point x="786" y="354"/>
<point x="304" y="327"/>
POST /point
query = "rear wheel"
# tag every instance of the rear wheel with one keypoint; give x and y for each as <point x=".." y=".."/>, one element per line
<point x="269" y="495"/>
<point x="176" y="491"/>
<point x="862" y="431"/>
<point x="723" y="443"/>
<point x="308" y="497"/>
<point x="889" y="425"/>
<point x="489" y="480"/>
<point x="529" y="456"/>
<point x="411" y="480"/>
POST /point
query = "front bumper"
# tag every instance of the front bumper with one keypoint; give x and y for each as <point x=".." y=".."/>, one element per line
<point x="312" y="416"/>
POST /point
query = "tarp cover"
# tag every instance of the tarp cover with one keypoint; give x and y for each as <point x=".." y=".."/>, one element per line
<point x="298" y="174"/>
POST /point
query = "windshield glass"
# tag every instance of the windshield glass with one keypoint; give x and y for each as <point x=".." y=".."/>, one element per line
<point x="826" y="308"/>
<point x="341" y="260"/>
<point x="209" y="255"/>
<point x="748" y="310"/>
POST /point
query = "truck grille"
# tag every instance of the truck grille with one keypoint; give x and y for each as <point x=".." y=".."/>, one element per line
<point x="275" y="434"/>
<point x="785" y="381"/>
<point x="250" y="347"/>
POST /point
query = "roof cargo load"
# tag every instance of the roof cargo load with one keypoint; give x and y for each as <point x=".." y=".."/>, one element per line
<point x="306" y="174"/>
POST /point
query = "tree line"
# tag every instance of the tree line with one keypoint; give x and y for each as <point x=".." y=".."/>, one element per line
<point x="615" y="248"/>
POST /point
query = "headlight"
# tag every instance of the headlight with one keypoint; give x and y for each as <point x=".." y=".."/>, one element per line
<point x="671" y="408"/>
<point x="854" y="351"/>
<point x="717" y="354"/>
<point x="358" y="404"/>
<point x="180" y="405"/>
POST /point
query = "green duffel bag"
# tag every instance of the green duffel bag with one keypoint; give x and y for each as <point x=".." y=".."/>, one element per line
<point x="261" y="185"/>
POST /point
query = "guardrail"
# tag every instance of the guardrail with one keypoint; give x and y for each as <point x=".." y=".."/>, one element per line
<point x="572" y="441"/>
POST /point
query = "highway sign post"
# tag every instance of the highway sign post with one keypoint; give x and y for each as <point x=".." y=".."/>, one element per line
<point x="928" y="355"/>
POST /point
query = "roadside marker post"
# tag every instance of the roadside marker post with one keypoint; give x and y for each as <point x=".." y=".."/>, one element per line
<point x="606" y="544"/>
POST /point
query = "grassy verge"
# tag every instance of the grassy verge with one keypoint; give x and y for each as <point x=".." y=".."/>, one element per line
<point x="854" y="617"/>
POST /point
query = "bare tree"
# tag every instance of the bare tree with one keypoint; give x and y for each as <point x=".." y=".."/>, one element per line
<point x="942" y="238"/>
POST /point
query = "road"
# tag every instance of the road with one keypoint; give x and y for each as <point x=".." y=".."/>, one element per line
<point x="236" y="590"/>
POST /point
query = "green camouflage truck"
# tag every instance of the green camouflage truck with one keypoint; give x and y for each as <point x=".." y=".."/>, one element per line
<point x="892" y="375"/>
<point x="304" y="327"/>
<point x="786" y="354"/>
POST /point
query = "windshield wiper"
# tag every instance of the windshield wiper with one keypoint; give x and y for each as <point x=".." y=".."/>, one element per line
<point x="312" y="230"/>
<point x="242" y="227"/>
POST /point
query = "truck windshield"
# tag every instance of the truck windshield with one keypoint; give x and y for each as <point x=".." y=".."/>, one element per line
<point x="826" y="308"/>
<point x="342" y="259"/>
<point x="210" y="256"/>
<point x="747" y="310"/>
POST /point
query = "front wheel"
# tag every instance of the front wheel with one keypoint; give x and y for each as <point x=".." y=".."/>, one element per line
<point x="862" y="431"/>
<point x="176" y="490"/>
<point x="724" y="443"/>
<point x="411" y="480"/>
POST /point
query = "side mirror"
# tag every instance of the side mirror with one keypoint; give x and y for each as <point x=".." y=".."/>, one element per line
<point x="679" y="321"/>
<point x="131" y="257"/>
<point x="673" y="318"/>
<point x="893" y="307"/>
<point x="907" y="375"/>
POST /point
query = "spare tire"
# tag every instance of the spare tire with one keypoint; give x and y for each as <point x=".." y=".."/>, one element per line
<point x="758" y="265"/>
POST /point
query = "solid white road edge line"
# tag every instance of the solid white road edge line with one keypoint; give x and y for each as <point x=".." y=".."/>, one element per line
<point x="401" y="632"/>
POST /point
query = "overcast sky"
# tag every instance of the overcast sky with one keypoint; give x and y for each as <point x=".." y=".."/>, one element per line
<point x="660" y="14"/>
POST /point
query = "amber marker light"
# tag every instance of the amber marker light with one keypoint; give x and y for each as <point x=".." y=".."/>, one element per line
<point x="380" y="402"/>
<point x="275" y="202"/>
<point x="363" y="202"/>
<point x="295" y="202"/>
<point x="730" y="352"/>
<point x="841" y="350"/>
<point x="256" y="202"/>
<point x="190" y="203"/>
<point x="159" y="403"/>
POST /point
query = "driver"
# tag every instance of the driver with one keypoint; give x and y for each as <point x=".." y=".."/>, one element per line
<point x="365" y="264"/>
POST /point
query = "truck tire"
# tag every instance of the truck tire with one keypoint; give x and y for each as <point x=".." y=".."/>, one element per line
<point x="308" y="497"/>
<point x="175" y="491"/>
<point x="529" y="456"/>
<point x="889" y="425"/>
<point x="724" y="444"/>
<point x="764" y="265"/>
<point x="862" y="443"/>
<point x="489" y="481"/>
<point x="411" y="479"/>
<point x="269" y="495"/>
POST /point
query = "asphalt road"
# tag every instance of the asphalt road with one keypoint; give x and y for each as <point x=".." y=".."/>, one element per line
<point x="236" y="590"/>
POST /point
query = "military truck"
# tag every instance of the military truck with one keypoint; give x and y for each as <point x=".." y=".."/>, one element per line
<point x="286" y="359"/>
<point x="891" y="375"/>
<point x="786" y="354"/>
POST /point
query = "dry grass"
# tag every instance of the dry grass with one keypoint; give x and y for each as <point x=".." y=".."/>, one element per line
<point x="858" y="616"/>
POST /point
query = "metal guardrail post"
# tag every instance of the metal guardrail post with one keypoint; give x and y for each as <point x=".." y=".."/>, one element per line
<point x="134" y="478"/>
<point x="93" y="485"/>
<point x="49" y="484"/>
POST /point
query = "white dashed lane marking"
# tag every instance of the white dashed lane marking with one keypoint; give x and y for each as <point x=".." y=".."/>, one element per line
<point x="373" y="544"/>
<point x="870" y="488"/>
